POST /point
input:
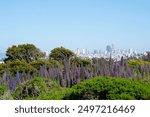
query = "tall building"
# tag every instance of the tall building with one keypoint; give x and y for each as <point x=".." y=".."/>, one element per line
<point x="130" y="51"/>
<point x="95" y="52"/>
<point x="100" y="52"/>
<point x="78" y="51"/>
<point x="83" y="51"/>
<point x="86" y="51"/>
<point x="113" y="47"/>
<point x="109" y="49"/>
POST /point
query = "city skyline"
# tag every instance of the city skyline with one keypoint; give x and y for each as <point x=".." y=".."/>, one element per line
<point x="114" y="53"/>
<point x="100" y="53"/>
<point x="75" y="24"/>
<point x="110" y="51"/>
<point x="84" y="49"/>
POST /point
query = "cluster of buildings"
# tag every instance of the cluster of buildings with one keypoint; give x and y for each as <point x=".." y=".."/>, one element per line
<point x="110" y="51"/>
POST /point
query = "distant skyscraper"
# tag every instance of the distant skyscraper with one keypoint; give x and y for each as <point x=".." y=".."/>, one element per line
<point x="130" y="51"/>
<point x="109" y="49"/>
<point x="95" y="51"/>
<point x="86" y="51"/>
<point x="83" y="51"/>
<point x="78" y="51"/>
<point x="113" y="47"/>
<point x="100" y="52"/>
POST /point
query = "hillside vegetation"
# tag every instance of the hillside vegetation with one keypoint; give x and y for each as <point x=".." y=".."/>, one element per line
<point x="98" y="88"/>
<point x="28" y="74"/>
<point x="106" y="88"/>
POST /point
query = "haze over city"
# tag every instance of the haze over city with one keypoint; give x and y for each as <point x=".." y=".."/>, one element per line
<point x="75" y="24"/>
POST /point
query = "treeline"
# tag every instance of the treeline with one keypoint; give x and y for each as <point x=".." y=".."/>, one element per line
<point x="24" y="62"/>
<point x="27" y="57"/>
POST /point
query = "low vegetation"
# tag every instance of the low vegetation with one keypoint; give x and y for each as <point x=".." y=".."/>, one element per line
<point x="36" y="89"/>
<point x="99" y="88"/>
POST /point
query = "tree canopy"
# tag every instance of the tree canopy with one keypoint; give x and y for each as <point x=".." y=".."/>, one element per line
<point x="20" y="66"/>
<point x="61" y="53"/>
<point x="27" y="52"/>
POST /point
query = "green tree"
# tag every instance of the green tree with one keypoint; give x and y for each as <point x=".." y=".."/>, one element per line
<point x="27" y="52"/>
<point x="2" y="69"/>
<point x="41" y="62"/>
<point x="61" y="53"/>
<point x="21" y="66"/>
<point x="80" y="61"/>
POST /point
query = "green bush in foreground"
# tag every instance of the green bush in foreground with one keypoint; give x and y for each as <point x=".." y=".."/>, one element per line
<point x="36" y="89"/>
<point x="99" y="88"/>
<point x="106" y="88"/>
<point x="5" y="93"/>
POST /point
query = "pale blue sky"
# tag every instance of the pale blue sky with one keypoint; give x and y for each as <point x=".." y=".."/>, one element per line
<point x="75" y="24"/>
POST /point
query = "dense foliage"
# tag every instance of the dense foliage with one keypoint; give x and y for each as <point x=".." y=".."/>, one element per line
<point x="20" y="66"/>
<point x="135" y="63"/>
<point x="64" y="68"/>
<point x="27" y="52"/>
<point x="36" y="88"/>
<point x="2" y="89"/>
<point x="2" y="69"/>
<point x="61" y="53"/>
<point x="99" y="88"/>
<point x="67" y="74"/>
<point x="44" y="62"/>
<point x="80" y="61"/>
<point x="106" y="88"/>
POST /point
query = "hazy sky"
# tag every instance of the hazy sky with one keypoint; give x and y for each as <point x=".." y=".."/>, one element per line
<point x="75" y="24"/>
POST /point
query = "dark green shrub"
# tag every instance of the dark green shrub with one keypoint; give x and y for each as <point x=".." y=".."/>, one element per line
<point x="107" y="88"/>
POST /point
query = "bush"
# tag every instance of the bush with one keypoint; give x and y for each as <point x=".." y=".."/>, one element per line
<point x="2" y="89"/>
<point x="36" y="89"/>
<point x="106" y="88"/>
<point x="135" y="63"/>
